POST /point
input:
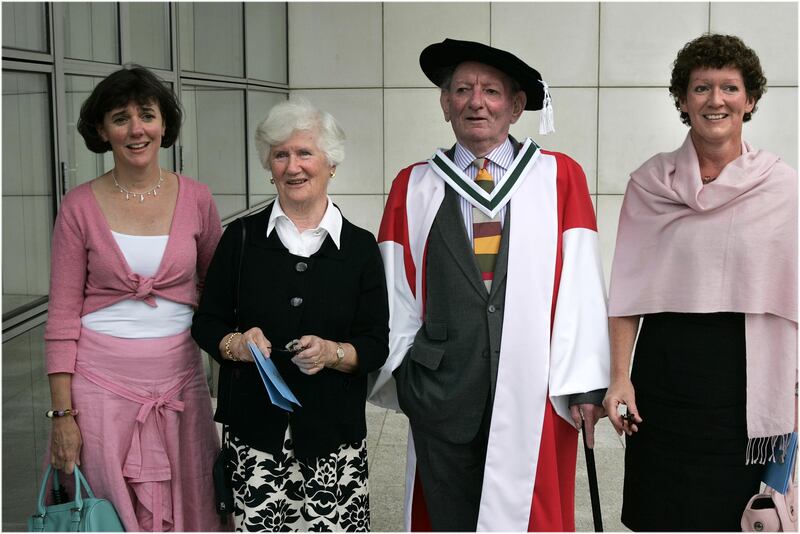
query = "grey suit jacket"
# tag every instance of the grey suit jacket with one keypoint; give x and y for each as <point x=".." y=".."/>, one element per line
<point x="449" y="374"/>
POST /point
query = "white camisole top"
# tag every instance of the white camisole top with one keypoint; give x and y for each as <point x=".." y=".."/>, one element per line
<point x="135" y="318"/>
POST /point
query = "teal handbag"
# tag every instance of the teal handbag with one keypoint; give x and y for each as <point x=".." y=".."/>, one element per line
<point x="81" y="515"/>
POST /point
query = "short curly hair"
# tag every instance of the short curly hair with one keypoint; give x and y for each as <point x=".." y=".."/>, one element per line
<point x="298" y="114"/>
<point x="717" y="51"/>
<point x="132" y="83"/>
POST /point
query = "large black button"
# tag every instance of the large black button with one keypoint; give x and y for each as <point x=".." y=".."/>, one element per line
<point x="296" y="301"/>
<point x="301" y="266"/>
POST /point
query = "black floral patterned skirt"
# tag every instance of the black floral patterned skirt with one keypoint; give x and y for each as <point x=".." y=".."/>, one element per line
<point x="279" y="492"/>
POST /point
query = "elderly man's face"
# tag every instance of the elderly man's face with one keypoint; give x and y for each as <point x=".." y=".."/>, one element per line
<point x="481" y="106"/>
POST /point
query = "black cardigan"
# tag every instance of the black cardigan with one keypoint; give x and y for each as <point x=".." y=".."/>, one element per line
<point x="343" y="298"/>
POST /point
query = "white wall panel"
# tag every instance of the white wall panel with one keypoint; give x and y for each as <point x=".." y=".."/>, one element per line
<point x="575" y="113"/>
<point x="362" y="210"/>
<point x="767" y="28"/>
<point x="560" y="40"/>
<point x="414" y="128"/>
<point x="607" y="210"/>
<point x="359" y="112"/>
<point x="639" y="41"/>
<point x="335" y="45"/>
<point x="410" y="27"/>
<point x="774" y="124"/>
<point x="634" y="124"/>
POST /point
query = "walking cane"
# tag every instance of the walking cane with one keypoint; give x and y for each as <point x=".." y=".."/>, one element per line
<point x="597" y="514"/>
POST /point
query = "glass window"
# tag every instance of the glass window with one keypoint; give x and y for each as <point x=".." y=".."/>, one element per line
<point x="266" y="41"/>
<point x="84" y="165"/>
<point x="258" y="105"/>
<point x="214" y="144"/>
<point x="26" y="397"/>
<point x="91" y="31"/>
<point x="211" y="37"/>
<point x="149" y="34"/>
<point x="25" y="26"/>
<point x="27" y="188"/>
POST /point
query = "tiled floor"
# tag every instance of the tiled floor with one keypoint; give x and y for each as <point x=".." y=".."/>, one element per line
<point x="387" y="433"/>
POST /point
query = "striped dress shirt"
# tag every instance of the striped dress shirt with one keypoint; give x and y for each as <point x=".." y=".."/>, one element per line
<point x="500" y="160"/>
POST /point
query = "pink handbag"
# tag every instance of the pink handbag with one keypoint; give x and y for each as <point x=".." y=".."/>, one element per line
<point x="772" y="511"/>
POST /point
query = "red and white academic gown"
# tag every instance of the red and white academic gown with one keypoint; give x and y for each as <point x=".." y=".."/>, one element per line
<point x="554" y="338"/>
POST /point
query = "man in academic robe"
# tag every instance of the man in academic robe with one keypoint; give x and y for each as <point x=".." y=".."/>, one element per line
<point x="499" y="342"/>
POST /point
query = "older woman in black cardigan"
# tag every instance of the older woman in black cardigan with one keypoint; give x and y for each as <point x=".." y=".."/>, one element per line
<point x="307" y="274"/>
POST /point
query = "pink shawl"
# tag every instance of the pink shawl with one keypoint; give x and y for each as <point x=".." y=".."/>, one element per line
<point x="731" y="246"/>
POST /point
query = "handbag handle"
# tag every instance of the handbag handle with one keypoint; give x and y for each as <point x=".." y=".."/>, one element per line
<point x="80" y="482"/>
<point x="236" y="311"/>
<point x="239" y="275"/>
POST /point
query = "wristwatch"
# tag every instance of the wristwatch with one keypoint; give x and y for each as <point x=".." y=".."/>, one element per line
<point x="339" y="355"/>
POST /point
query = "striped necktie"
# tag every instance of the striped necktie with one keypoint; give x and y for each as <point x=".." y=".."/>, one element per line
<point x="486" y="231"/>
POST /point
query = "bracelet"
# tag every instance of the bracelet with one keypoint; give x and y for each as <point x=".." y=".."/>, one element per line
<point x="228" y="353"/>
<point x="61" y="413"/>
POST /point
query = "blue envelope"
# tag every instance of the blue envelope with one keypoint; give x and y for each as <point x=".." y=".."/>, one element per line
<point x="279" y="393"/>
<point x="776" y="475"/>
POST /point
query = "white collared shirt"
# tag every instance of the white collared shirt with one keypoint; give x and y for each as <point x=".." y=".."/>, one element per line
<point x="308" y="242"/>
<point x="500" y="159"/>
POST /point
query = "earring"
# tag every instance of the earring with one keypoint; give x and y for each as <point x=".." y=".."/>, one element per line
<point x="272" y="180"/>
<point x="333" y="173"/>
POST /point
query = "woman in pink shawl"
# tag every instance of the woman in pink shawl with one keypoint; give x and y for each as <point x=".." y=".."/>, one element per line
<point x="131" y="248"/>
<point x="706" y="257"/>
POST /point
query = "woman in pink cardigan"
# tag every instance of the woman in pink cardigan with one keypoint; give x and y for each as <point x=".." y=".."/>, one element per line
<point x="130" y="251"/>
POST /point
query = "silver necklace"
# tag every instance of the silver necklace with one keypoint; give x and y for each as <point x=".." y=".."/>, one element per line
<point x="129" y="194"/>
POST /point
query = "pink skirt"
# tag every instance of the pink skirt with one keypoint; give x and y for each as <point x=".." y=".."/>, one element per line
<point x="149" y="440"/>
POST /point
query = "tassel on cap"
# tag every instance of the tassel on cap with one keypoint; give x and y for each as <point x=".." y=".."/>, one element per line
<point x="546" y="121"/>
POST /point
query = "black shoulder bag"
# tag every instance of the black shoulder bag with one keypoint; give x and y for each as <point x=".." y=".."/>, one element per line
<point x="223" y="475"/>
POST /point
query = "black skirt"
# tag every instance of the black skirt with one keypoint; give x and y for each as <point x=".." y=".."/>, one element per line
<point x="685" y="467"/>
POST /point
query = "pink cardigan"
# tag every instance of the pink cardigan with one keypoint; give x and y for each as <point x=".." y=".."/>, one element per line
<point x="88" y="270"/>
